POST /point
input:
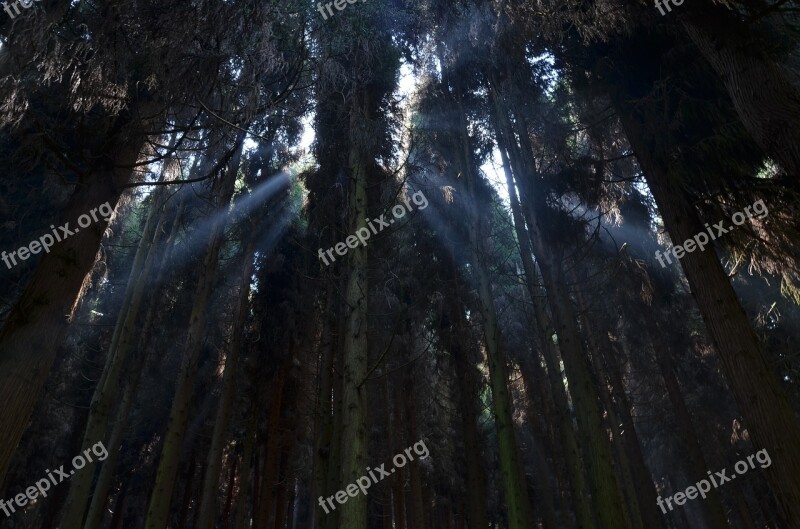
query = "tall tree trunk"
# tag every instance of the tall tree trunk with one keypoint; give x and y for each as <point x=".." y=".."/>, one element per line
<point x="105" y="477"/>
<point x="644" y="481"/>
<point x="202" y="478"/>
<point x="280" y="498"/>
<point x="625" y="471"/>
<point x="353" y="514"/>
<point x="614" y="422"/>
<point x="606" y="494"/>
<point x="125" y="333"/>
<point x="414" y="476"/>
<point x="208" y="500"/>
<point x="538" y="388"/>
<point x="188" y="493"/>
<point x="291" y="504"/>
<point x="119" y="507"/>
<point x="398" y="483"/>
<point x="323" y="425"/>
<point x="272" y="446"/>
<point x="764" y="92"/>
<point x="240" y="508"/>
<point x="335" y="461"/>
<point x="542" y="480"/>
<point x="258" y="471"/>
<point x="551" y="355"/>
<point x="468" y="394"/>
<point x="391" y="448"/>
<point x="712" y="508"/>
<point x="36" y="324"/>
<point x="516" y="495"/>
<point x="770" y="419"/>
<point x="226" y="510"/>
<point x="160" y="500"/>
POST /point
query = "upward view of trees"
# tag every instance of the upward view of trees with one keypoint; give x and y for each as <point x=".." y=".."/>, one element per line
<point x="539" y="339"/>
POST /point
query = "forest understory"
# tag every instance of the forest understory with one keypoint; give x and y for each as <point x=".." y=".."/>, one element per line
<point x="400" y="264"/>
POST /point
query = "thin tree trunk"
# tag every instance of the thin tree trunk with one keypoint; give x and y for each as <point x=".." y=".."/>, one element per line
<point x="160" y="500"/>
<point x="537" y="385"/>
<point x="258" y="467"/>
<point x="290" y="505"/>
<point x="183" y="519"/>
<point x="119" y="506"/>
<point x="415" y="479"/>
<point x="398" y="484"/>
<point x="272" y="446"/>
<point x="770" y="419"/>
<point x="125" y="333"/>
<point x="516" y="494"/>
<point x="624" y="466"/>
<point x="644" y="481"/>
<point x="712" y="508"/>
<point x="391" y="448"/>
<point x="335" y="462"/>
<point x="202" y="479"/>
<point x="94" y="515"/>
<point x="208" y="500"/>
<point x="323" y="426"/>
<point x="226" y="511"/>
<point x="280" y="497"/>
<point x="606" y="494"/>
<point x="240" y="509"/>
<point x="551" y="355"/>
<point x="468" y="394"/>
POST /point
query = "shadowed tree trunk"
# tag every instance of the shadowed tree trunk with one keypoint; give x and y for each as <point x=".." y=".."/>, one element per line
<point x="105" y="479"/>
<point x="770" y="420"/>
<point x="641" y="474"/>
<point x="606" y="494"/>
<point x="208" y="500"/>
<point x="353" y="440"/>
<point x="323" y="419"/>
<point x="37" y="322"/>
<point x="226" y="510"/>
<point x="584" y="518"/>
<point x="398" y="483"/>
<point x="516" y="495"/>
<point x="614" y="422"/>
<point x="271" y="450"/>
<point x="160" y="500"/>
<point x="246" y="473"/>
<point x="415" y="494"/>
<point x="712" y="508"/>
<point x="125" y="333"/>
<point x="469" y="394"/>
<point x="765" y="93"/>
